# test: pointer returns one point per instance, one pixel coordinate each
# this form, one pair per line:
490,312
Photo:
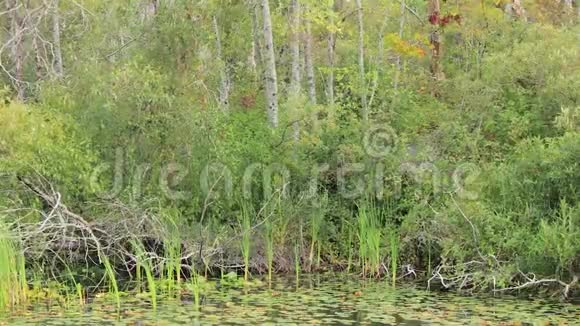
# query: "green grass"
113,285
297,268
347,233
173,265
370,236
316,220
269,241
394,247
171,271
195,287
13,284
147,267
139,276
77,286
245,220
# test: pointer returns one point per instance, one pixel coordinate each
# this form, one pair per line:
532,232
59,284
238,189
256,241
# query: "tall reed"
369,234
172,249
347,233
316,220
297,268
394,246
245,220
171,270
13,284
269,241
195,287
147,267
113,285
78,287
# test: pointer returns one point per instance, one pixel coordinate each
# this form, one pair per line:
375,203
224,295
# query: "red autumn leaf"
434,18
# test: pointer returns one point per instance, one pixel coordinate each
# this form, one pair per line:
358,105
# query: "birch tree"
224,80
270,76
361,61
309,62
295,87
58,65
256,42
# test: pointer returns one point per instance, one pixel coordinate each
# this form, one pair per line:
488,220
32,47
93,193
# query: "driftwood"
65,236
479,274
475,276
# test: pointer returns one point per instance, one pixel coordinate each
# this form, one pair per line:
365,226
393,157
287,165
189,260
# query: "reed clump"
13,284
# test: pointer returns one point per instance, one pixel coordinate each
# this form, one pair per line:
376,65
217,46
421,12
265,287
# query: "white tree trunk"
58,65
270,76
361,61
257,51
294,49
295,81
309,62
330,55
518,9
224,92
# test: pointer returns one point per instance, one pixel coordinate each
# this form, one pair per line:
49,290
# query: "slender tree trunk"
401,30
518,9
37,58
361,62
295,49
252,59
295,85
36,48
330,55
58,66
17,48
309,68
309,62
270,75
224,80
257,50
434,12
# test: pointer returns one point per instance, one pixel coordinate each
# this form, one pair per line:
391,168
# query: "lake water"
318,299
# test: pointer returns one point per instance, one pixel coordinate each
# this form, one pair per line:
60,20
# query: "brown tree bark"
17,47
434,13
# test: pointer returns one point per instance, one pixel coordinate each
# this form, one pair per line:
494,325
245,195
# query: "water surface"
318,299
